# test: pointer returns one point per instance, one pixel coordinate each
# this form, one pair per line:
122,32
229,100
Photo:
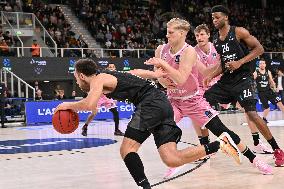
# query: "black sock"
255,137
136,169
115,118
212,147
273,143
203,140
248,153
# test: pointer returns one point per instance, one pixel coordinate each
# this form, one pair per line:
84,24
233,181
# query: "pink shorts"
106,102
196,108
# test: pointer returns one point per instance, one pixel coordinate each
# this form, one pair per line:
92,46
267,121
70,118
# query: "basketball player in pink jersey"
179,61
208,56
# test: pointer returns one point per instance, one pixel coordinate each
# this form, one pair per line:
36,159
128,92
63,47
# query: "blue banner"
259,105
42,111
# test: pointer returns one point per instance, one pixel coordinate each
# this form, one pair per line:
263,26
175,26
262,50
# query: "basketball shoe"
279,158
228,146
261,148
85,130
263,167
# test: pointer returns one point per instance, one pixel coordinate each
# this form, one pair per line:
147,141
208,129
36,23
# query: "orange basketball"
65,121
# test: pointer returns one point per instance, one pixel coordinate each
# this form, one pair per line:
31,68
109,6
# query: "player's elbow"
261,50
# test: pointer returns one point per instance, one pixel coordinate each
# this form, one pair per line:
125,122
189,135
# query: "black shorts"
224,93
154,115
265,96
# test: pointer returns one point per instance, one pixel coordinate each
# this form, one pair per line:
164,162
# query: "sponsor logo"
275,63
38,62
103,62
126,65
208,114
7,64
38,70
71,68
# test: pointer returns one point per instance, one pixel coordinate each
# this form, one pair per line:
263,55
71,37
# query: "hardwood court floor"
101,167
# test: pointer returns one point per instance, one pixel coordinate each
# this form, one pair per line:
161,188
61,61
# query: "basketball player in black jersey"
153,115
264,85
237,66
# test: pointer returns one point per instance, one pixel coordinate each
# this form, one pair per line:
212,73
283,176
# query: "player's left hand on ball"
62,106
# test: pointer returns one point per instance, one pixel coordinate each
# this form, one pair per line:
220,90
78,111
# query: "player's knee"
253,115
127,147
172,160
249,105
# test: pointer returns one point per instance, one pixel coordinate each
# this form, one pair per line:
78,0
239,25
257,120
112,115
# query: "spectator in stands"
61,95
38,95
73,95
9,108
36,85
57,90
35,50
4,48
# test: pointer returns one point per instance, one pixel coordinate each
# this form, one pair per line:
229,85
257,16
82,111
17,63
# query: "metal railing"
91,52
20,21
15,38
10,80
119,53
41,32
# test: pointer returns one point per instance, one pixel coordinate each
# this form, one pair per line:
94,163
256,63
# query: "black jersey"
131,88
262,81
232,50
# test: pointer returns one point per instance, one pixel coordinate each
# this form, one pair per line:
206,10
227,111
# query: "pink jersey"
191,86
208,60
106,102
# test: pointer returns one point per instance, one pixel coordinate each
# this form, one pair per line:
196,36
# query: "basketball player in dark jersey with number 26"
236,83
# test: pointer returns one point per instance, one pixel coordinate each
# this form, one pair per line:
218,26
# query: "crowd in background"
141,24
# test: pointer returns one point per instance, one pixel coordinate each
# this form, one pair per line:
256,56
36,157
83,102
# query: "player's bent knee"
171,160
128,145
169,154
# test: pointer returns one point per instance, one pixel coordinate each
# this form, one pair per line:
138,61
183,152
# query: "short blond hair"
180,24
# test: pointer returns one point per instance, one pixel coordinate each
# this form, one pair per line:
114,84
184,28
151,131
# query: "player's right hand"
167,83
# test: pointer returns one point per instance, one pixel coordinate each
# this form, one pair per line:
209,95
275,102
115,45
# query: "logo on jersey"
208,114
165,56
177,60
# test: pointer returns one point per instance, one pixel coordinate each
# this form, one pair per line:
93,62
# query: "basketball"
65,121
